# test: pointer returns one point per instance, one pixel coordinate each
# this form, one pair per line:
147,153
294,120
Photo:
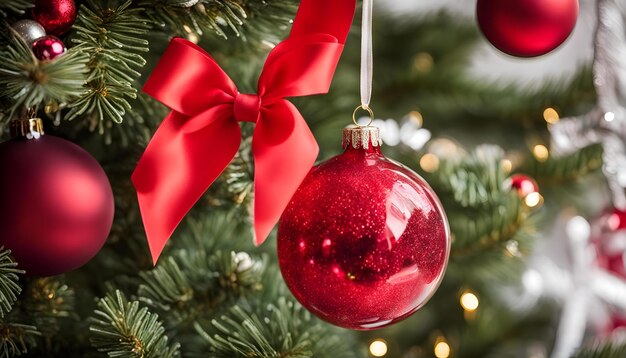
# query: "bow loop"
300,67
179,80
201,135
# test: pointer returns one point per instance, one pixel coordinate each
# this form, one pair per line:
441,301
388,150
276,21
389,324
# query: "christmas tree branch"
115,40
565,168
26,82
220,17
123,329
283,329
48,303
16,339
9,287
15,6
192,282
603,351
488,220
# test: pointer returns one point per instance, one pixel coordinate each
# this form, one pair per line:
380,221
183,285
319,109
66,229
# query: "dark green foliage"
16,339
10,7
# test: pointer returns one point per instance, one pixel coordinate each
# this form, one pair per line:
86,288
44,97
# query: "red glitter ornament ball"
364,241
56,203
48,48
527,28
56,16
524,185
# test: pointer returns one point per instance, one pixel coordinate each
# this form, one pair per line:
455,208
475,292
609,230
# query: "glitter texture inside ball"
364,242
527,28
29,30
56,16
48,48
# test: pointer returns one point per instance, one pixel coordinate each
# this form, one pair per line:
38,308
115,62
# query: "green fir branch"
48,302
220,17
280,330
114,37
26,82
124,329
556,170
193,282
16,339
603,351
492,229
15,6
9,286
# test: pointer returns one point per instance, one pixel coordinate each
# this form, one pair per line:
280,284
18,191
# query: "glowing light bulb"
533,199
551,115
378,348
609,116
442,349
429,162
469,301
541,152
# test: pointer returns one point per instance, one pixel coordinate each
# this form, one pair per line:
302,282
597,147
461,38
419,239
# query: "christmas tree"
528,171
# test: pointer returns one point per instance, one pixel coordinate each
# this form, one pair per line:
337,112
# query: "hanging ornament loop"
365,108
367,63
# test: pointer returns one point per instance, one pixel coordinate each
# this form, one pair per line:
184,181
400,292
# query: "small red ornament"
56,16
364,241
527,28
611,242
56,203
523,184
48,48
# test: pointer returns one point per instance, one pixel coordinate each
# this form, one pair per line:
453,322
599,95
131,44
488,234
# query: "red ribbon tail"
177,168
284,152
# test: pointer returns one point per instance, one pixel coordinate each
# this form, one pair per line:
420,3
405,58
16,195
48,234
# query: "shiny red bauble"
56,16
48,48
56,204
527,28
523,185
364,241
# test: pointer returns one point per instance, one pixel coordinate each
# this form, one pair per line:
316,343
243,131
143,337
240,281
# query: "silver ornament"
29,30
187,3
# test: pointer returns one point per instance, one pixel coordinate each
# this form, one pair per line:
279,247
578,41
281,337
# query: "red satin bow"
198,139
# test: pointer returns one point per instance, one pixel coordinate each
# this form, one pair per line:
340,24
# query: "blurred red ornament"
527,28
56,203
524,185
364,241
611,242
56,16
48,48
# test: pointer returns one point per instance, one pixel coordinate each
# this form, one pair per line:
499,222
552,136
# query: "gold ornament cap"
28,128
361,137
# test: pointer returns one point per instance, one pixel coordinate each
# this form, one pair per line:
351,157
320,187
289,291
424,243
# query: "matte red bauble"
56,203
524,185
48,48
527,28
364,242
56,16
